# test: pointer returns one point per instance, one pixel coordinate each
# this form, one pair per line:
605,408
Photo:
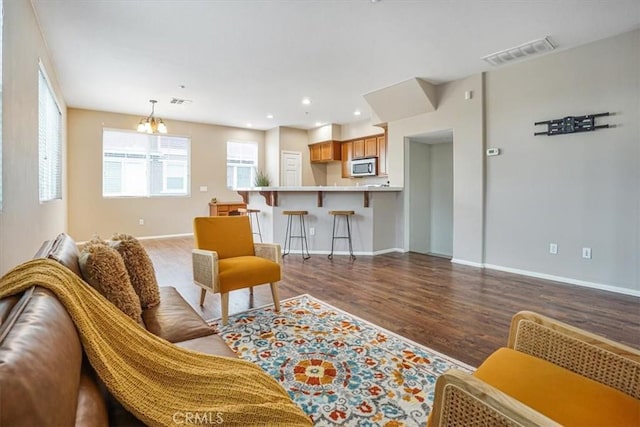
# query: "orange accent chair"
550,374
227,259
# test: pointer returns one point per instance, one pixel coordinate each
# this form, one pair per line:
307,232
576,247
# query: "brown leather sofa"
45,378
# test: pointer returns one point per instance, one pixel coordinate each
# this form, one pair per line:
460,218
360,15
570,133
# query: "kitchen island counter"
376,224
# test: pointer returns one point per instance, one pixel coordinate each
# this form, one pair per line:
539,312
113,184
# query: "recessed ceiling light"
357,113
249,125
306,101
269,116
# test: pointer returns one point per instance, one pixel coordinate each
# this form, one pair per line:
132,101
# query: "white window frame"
253,164
49,141
165,175
146,156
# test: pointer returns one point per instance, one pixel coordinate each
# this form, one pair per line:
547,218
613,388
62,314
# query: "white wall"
441,199
430,203
25,222
418,197
580,190
466,118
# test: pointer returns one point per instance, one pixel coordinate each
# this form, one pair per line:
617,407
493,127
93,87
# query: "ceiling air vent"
178,101
526,49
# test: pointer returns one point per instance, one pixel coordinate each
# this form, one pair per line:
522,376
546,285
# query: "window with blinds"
49,142
142,165
242,162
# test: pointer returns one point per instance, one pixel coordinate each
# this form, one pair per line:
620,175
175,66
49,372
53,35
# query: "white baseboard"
356,253
561,279
465,262
577,282
165,236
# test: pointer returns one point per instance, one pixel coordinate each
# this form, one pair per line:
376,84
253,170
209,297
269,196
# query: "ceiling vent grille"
526,49
179,101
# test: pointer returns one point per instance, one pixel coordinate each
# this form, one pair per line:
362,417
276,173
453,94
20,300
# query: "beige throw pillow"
103,268
140,269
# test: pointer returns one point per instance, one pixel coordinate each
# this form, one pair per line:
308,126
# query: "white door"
291,162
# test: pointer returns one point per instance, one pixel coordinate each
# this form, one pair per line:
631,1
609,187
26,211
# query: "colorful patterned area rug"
338,368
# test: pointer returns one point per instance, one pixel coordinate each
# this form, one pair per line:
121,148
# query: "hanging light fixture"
151,124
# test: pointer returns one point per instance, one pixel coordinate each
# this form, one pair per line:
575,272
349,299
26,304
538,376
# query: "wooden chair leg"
224,299
251,291
276,298
203,293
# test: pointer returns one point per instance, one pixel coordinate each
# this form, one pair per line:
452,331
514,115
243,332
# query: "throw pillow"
103,268
140,269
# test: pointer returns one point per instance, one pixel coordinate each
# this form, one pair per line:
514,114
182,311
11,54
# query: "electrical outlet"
586,253
553,248
312,231
141,221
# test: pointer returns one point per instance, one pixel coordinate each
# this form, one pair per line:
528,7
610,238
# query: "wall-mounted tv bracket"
571,124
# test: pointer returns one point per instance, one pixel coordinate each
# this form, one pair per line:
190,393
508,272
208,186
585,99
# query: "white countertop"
324,188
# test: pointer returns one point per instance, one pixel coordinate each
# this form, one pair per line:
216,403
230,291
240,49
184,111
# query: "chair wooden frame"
205,274
464,400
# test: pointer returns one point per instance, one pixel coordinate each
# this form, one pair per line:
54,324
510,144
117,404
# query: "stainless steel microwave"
364,167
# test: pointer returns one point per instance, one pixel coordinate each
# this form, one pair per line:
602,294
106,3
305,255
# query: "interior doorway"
291,162
430,174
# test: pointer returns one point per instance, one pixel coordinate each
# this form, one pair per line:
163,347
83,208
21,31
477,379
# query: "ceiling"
239,61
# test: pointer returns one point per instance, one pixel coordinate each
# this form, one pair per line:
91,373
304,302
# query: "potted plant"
262,179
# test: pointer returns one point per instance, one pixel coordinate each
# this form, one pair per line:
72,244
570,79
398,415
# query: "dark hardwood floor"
461,311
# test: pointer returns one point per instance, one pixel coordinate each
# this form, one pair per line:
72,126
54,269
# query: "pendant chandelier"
150,124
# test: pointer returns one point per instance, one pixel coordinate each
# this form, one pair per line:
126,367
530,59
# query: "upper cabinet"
347,155
365,148
326,151
370,146
383,159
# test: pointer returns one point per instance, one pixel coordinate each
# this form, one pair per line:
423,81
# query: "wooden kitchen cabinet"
365,148
383,160
316,153
358,149
326,151
347,155
225,208
370,147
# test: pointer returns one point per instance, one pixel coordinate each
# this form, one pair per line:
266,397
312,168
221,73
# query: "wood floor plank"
458,310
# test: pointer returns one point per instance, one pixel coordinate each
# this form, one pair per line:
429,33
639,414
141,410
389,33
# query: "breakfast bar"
375,225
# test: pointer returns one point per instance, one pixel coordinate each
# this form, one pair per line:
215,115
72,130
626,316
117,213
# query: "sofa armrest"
462,399
205,269
579,351
270,251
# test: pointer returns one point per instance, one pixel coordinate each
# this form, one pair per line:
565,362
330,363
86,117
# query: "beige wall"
90,213
24,222
580,190
292,139
272,155
359,129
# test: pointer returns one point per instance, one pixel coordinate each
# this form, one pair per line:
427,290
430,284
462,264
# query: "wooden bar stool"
347,215
302,236
256,215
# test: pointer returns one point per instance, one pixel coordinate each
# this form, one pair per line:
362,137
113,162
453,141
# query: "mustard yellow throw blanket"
153,379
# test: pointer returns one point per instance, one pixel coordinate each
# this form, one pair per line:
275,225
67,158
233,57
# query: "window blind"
49,142
142,165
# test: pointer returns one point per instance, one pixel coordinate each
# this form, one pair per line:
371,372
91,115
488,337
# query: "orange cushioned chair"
551,374
226,259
